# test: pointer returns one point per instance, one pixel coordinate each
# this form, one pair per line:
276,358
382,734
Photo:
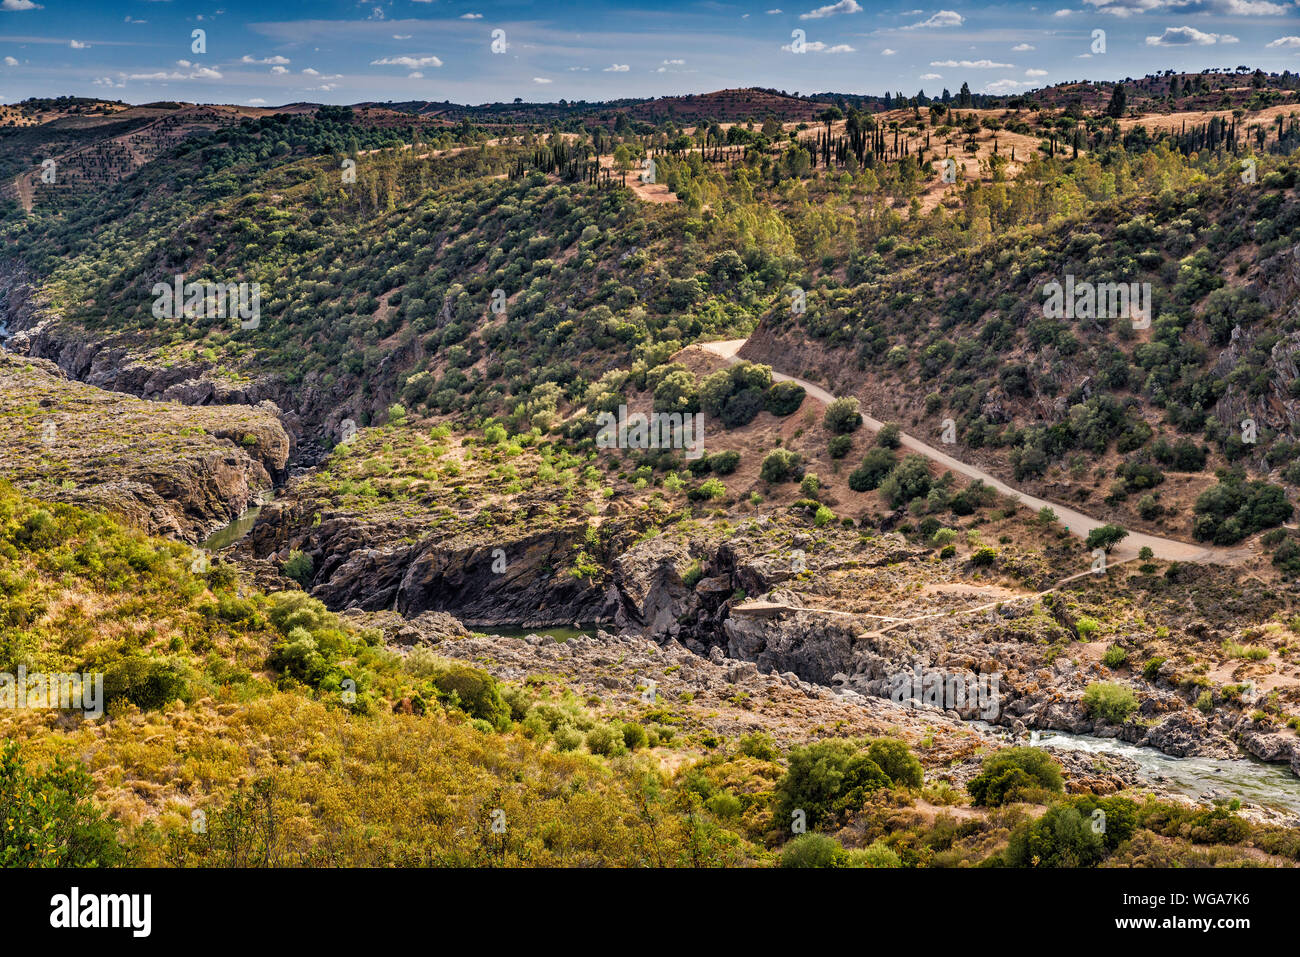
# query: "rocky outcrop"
648,592
166,468
807,644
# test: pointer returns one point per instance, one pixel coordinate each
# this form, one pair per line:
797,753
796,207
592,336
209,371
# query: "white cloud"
775,10
1252,8
998,87
416,75
11,61
844,6
410,62
278,70
1035,73
944,18
616,68
257,101
1063,13
540,79
1287,42
887,52
817,46
198,73
15,5
109,82
1022,48
1186,36
931,76
974,64
78,45
1239,8
308,71
401,36
267,62
471,16
674,62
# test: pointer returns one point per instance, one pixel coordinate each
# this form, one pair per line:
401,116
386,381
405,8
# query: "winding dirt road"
1076,522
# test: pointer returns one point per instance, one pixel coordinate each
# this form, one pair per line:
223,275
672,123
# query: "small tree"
781,465
1106,537
1118,101
842,416
1011,770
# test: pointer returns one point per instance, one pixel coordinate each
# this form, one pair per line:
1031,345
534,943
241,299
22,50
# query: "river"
1251,781
232,531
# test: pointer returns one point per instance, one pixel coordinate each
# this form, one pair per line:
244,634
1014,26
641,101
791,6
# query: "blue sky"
341,51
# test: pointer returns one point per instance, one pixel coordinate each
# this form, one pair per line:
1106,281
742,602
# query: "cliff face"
167,468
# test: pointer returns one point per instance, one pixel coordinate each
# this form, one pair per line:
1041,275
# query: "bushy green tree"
842,416
876,465
1109,701
911,479
781,465
47,818
1005,772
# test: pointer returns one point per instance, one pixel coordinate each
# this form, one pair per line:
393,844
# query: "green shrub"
607,740
784,398
1114,657
873,855
1111,702
888,436
894,758
1061,838
634,736
840,446
756,744
567,738
824,780
813,850
708,490
724,463
781,465
147,682
298,566
724,805
50,819
876,466
1234,508
911,479
1012,770
842,416
473,691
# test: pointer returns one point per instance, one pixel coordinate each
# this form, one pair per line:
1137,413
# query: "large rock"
648,592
